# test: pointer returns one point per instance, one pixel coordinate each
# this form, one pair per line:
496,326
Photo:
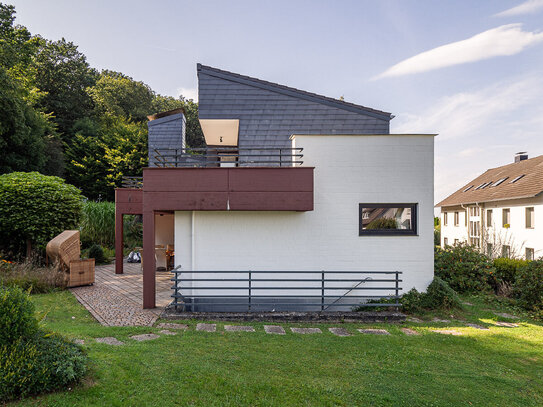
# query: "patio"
116,299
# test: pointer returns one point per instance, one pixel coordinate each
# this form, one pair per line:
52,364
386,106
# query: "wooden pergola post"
149,266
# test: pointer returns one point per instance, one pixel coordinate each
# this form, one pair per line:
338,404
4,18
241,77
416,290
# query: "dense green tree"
194,134
63,74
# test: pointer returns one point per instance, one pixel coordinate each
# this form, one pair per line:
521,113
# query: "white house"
501,211
298,202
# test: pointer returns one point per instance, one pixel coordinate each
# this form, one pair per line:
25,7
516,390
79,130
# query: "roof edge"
293,92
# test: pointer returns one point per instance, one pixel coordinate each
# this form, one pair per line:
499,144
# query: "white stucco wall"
348,170
517,235
452,232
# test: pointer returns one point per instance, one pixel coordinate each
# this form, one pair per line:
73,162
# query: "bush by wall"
34,208
463,267
32,361
528,287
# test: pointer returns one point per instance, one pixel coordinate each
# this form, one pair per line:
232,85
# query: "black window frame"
389,232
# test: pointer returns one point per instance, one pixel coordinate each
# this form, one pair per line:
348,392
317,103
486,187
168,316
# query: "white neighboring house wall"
349,170
517,235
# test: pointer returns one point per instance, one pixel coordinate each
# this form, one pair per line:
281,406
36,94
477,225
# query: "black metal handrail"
132,182
252,300
229,156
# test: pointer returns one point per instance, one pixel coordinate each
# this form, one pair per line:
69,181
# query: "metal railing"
229,157
132,182
328,290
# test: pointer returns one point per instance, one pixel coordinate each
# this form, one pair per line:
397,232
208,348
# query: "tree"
63,74
34,208
116,94
194,133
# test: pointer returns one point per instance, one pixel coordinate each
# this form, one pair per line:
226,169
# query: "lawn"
495,367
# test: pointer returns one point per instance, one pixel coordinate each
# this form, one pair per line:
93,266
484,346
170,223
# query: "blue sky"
471,71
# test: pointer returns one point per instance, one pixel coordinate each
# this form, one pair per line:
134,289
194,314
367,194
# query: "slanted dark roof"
530,185
274,87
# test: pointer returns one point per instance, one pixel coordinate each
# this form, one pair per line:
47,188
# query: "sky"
470,71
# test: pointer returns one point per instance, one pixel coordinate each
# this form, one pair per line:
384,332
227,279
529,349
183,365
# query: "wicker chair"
65,251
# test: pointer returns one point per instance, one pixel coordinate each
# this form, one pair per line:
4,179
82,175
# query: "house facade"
499,212
296,200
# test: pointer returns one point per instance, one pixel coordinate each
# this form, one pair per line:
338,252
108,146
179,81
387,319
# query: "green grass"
495,367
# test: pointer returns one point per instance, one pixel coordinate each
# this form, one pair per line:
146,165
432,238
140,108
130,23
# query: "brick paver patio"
116,299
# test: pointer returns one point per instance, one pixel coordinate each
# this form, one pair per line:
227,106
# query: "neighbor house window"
506,251
456,219
489,217
529,254
506,218
455,242
387,219
444,218
489,249
530,218
445,241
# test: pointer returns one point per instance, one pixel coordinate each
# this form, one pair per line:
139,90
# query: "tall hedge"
34,208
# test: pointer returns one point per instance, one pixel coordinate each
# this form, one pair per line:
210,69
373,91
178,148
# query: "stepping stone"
167,332
339,331
441,320
409,331
506,315
274,329
467,303
506,324
144,337
109,340
206,327
306,330
374,331
477,326
170,325
414,319
447,332
79,341
238,328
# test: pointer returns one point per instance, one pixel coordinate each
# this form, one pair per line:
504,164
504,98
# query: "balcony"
221,179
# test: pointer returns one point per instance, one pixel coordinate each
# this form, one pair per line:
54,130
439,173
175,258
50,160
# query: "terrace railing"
132,182
229,157
311,290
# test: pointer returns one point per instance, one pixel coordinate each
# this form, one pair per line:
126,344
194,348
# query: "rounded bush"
464,268
440,295
97,253
16,315
528,288
35,208
507,270
40,364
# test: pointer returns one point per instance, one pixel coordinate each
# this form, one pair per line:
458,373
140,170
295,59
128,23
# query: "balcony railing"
132,182
213,157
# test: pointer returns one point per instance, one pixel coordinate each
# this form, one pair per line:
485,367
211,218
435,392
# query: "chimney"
521,156
166,131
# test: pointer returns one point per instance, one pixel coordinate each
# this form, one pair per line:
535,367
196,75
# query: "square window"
506,251
530,218
445,218
529,254
387,219
489,249
445,241
456,219
489,218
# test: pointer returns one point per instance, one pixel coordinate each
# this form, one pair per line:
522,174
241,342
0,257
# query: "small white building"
501,211
298,202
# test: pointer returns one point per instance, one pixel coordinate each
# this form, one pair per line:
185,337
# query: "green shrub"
97,253
39,364
98,224
411,301
440,296
16,315
528,287
133,231
34,208
31,276
506,270
463,267
383,223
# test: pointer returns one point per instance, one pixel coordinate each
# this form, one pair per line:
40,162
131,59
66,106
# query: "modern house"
298,202
501,211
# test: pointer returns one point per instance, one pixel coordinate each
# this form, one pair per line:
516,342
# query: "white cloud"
505,40
480,129
188,93
528,7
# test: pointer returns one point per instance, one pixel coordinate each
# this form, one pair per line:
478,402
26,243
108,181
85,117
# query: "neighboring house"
285,186
501,211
